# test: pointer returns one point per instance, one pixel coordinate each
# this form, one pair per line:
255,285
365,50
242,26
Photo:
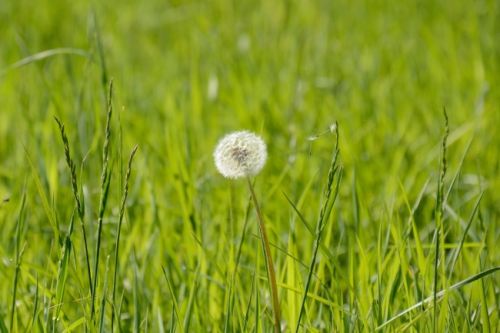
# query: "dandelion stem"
269,260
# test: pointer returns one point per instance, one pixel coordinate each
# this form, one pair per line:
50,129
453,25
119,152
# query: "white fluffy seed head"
240,154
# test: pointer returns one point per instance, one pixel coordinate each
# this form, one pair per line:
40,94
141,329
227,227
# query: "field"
380,194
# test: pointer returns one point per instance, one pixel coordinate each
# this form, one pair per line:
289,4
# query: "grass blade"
44,55
63,269
437,296
192,294
105,183
103,299
439,241
43,197
76,194
174,300
464,235
19,253
119,228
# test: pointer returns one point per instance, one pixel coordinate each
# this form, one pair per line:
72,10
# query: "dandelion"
240,154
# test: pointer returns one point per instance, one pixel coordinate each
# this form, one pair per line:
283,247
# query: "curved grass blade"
174,301
464,235
43,55
439,295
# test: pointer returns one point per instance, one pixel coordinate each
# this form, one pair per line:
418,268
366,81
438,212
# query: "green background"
185,73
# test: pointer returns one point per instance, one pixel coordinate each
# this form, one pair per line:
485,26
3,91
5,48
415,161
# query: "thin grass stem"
439,249
119,228
105,183
19,251
330,197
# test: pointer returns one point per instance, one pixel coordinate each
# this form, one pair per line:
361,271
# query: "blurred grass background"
187,72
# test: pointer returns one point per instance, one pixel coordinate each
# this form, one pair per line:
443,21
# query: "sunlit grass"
100,235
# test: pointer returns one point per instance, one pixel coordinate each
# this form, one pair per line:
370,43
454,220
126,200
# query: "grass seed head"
240,154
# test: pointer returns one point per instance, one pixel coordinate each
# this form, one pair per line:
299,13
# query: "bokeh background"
187,72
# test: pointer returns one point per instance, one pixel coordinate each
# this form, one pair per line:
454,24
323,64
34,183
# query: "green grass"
100,236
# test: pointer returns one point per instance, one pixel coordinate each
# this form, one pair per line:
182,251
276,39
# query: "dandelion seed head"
240,154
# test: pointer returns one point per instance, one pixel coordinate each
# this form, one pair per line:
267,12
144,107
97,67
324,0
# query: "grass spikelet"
438,213
72,168
79,203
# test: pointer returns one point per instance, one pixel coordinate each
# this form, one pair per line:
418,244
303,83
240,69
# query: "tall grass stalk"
19,253
330,197
439,231
62,271
118,232
79,203
103,298
105,182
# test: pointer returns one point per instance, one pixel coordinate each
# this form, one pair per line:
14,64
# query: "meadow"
380,193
